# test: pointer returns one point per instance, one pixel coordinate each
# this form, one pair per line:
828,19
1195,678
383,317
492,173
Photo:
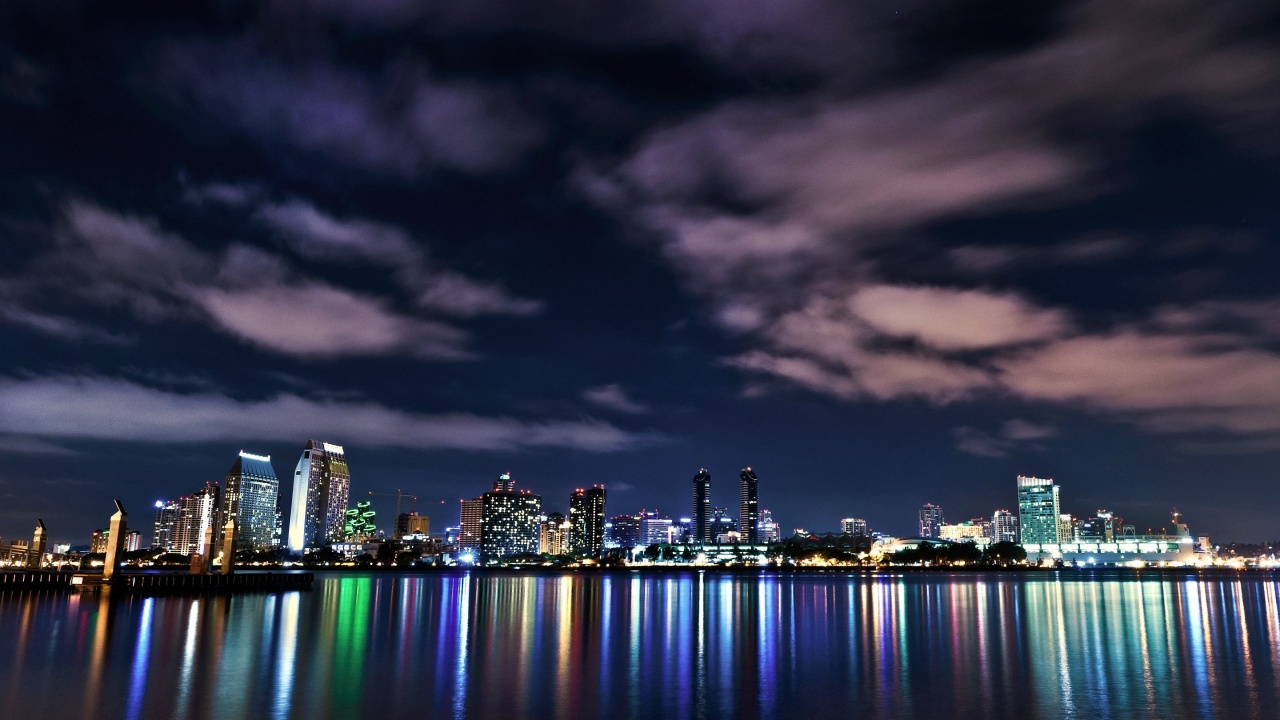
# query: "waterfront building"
856,527
1068,528
968,531
769,530
653,528
623,531
553,537
931,520
749,507
197,512
321,484
509,522
132,541
253,501
721,524
469,528
1038,510
1004,526
1104,527
586,519
164,530
98,541
702,530
411,523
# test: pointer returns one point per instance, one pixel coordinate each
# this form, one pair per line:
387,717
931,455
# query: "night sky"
884,253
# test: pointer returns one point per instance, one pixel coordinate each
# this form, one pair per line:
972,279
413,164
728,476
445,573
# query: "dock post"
229,546
35,558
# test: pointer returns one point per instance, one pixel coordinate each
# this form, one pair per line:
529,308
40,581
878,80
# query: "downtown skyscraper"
197,512
931,521
749,507
702,530
510,521
252,499
321,483
1038,510
586,521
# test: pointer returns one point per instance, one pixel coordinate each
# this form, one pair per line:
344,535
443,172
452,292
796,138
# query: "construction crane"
400,495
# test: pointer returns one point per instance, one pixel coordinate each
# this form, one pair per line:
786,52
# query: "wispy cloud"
614,397
115,409
1014,434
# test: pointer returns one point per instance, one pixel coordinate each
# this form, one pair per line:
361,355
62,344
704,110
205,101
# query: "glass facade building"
623,531
586,521
252,499
197,512
1038,510
321,484
1004,526
165,529
854,526
702,531
749,507
931,521
510,524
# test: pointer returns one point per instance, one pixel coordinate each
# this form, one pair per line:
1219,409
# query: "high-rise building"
472,516
769,530
164,531
722,525
622,531
252,500
504,483
321,483
510,521
931,520
1102,527
1068,528
553,538
132,541
854,526
196,512
1004,526
749,507
653,527
98,541
586,520
1038,510
411,523
701,507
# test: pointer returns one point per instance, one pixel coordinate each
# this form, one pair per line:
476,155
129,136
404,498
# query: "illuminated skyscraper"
701,507
854,526
769,530
653,527
931,520
586,521
469,533
510,521
164,531
1004,526
1037,510
504,483
623,531
321,482
722,525
252,499
749,507
553,538
196,512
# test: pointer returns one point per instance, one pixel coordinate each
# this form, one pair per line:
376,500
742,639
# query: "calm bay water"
688,644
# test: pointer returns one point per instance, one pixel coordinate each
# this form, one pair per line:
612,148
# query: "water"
679,645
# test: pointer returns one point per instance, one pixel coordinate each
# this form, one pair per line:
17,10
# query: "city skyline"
885,256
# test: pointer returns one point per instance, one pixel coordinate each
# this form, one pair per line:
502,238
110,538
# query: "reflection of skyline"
682,645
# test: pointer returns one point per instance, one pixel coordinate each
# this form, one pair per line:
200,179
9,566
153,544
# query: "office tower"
769,530
931,520
722,525
1004,526
586,519
749,507
854,526
623,531
321,482
653,527
472,515
411,523
1037,510
196,512
451,535
1102,527
701,507
252,500
1068,528
553,538
132,541
509,521
164,531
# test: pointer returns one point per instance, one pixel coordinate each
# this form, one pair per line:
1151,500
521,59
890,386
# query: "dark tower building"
749,509
586,521
701,508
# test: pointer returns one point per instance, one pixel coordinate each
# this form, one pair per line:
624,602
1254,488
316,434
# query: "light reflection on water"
680,645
